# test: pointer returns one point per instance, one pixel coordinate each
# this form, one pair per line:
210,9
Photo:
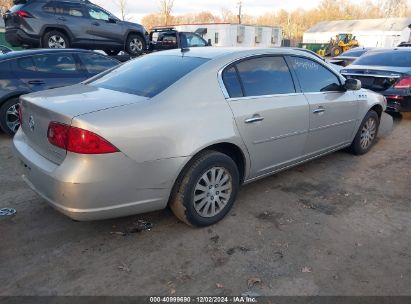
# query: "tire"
193,198
55,40
111,52
366,135
336,51
135,45
9,119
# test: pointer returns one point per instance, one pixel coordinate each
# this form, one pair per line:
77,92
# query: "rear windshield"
387,58
149,75
16,8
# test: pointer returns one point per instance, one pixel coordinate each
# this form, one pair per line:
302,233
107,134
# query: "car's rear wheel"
9,116
366,135
135,45
207,189
55,40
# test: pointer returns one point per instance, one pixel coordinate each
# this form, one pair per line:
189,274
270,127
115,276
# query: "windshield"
148,75
386,58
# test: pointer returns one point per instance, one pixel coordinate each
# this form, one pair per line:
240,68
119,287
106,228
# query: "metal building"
387,32
227,34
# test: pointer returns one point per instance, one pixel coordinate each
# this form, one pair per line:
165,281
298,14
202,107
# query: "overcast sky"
139,8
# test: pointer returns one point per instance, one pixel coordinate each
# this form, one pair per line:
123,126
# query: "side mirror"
352,84
111,20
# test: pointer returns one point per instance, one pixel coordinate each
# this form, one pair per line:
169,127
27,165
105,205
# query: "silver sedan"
186,129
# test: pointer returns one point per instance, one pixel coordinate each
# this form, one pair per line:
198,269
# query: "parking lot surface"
339,225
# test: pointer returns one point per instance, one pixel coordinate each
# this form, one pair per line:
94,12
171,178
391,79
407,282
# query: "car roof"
217,52
24,53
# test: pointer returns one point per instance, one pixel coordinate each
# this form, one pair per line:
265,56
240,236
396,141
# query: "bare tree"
5,5
166,7
394,8
122,4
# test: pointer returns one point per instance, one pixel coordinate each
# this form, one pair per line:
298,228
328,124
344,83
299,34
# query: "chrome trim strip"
372,75
333,125
279,137
262,96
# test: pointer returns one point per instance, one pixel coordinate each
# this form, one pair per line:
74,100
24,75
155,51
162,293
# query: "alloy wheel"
368,133
212,192
12,118
56,42
136,45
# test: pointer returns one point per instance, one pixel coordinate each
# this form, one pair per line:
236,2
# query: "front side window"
148,75
95,63
265,76
98,14
314,77
55,63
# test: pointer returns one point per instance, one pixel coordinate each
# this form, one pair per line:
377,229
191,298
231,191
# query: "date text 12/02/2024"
203,300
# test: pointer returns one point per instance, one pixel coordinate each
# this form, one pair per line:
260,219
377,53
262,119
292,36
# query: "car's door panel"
48,71
271,117
104,29
333,110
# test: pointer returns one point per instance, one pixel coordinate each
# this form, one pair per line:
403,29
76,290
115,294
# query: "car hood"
80,99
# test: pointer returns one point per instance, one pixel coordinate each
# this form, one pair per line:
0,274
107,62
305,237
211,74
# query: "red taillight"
23,14
77,140
404,83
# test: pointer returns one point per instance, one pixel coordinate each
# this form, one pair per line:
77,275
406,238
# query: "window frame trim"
234,63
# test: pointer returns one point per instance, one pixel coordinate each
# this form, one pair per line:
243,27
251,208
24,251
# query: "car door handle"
255,118
36,82
319,110
96,24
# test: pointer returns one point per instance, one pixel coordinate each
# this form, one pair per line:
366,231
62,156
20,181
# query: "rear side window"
149,75
95,63
55,63
64,8
265,76
232,83
387,58
313,77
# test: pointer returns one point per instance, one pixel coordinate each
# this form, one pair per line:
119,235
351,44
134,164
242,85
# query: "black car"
72,23
23,72
388,72
164,38
349,56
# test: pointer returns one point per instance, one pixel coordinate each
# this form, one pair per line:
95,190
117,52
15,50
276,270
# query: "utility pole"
240,6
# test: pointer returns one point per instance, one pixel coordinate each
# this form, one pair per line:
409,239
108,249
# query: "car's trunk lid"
375,78
62,105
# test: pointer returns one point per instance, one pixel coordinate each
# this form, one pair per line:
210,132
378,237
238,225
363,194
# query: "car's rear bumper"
399,103
17,37
86,187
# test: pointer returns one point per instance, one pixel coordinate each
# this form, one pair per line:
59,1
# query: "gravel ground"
339,225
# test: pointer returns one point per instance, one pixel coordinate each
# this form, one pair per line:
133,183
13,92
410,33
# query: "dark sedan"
388,72
349,56
29,71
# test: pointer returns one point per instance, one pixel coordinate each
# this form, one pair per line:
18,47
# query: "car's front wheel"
206,191
366,135
135,45
9,116
55,40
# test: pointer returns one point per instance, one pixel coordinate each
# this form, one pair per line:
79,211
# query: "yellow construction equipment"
342,42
